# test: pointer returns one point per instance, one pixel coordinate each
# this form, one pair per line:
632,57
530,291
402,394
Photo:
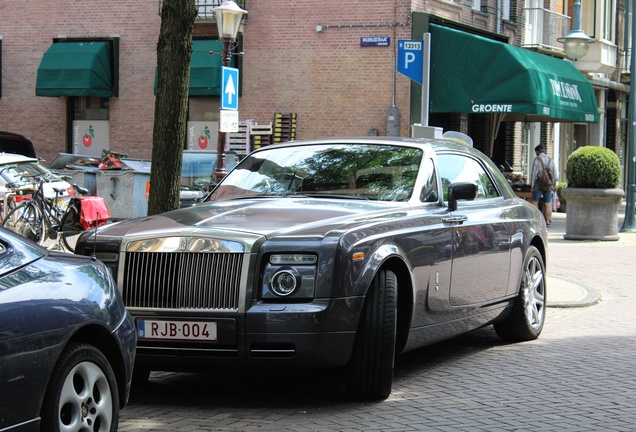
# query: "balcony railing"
204,7
543,27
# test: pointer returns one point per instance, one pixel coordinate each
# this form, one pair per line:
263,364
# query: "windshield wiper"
325,195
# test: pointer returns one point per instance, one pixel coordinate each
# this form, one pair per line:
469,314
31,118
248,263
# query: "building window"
597,18
90,108
203,108
608,20
477,5
588,15
505,9
205,8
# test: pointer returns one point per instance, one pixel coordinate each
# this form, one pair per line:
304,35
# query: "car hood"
261,216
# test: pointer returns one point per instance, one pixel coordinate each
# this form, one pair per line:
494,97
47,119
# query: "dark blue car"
67,343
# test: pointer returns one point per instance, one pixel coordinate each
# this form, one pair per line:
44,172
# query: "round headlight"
284,283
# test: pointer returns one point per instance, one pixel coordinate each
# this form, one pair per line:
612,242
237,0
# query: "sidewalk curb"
564,294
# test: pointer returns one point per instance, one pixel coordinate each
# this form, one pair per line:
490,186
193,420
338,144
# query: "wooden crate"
239,142
260,135
284,127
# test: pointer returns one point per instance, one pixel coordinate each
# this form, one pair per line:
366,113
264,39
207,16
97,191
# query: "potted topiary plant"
593,196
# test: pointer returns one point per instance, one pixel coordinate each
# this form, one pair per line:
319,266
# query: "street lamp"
228,21
576,43
629,223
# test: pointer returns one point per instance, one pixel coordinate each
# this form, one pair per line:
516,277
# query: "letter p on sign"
411,59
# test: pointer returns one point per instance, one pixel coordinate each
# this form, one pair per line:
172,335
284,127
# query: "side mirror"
460,191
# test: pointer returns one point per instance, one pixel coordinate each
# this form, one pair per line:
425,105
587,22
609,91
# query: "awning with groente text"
474,74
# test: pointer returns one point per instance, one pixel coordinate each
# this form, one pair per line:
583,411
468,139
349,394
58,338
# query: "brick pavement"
578,376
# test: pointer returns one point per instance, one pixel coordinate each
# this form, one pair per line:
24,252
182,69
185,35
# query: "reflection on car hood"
261,216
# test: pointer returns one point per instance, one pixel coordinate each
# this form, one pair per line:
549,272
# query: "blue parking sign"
229,88
411,58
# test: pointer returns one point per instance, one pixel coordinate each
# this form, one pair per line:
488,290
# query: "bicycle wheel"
26,220
70,227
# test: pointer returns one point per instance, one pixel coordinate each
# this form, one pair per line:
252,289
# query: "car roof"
437,144
11,135
7,158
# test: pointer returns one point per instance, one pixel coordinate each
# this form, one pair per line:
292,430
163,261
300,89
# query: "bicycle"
41,219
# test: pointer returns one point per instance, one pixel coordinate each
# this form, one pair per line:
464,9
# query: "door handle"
455,220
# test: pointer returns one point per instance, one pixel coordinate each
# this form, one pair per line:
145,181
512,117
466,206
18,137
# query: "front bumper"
300,335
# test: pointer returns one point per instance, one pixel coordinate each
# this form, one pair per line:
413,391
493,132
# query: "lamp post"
576,43
228,21
630,160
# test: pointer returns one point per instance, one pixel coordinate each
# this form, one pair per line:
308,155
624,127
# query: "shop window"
203,123
90,108
203,108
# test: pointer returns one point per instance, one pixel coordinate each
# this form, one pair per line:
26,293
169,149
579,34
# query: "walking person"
543,181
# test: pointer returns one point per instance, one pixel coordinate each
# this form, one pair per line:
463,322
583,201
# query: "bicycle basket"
93,211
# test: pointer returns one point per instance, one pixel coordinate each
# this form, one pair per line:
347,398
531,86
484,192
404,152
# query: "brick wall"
28,29
334,85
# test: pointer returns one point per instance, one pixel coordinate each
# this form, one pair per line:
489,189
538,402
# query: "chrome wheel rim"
534,293
86,402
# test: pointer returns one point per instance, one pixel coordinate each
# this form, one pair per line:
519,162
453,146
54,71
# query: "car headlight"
289,276
284,282
293,259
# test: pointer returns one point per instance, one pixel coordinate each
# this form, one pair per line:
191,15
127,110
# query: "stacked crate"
284,127
239,142
260,135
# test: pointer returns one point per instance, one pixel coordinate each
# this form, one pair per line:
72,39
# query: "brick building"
331,64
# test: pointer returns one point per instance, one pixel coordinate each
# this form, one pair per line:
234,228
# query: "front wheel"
526,319
82,393
26,220
371,365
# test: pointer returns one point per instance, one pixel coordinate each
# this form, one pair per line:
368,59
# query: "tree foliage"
174,50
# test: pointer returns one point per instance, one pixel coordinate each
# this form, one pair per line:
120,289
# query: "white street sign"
229,121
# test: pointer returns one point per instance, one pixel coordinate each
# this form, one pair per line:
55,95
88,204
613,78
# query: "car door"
479,233
20,349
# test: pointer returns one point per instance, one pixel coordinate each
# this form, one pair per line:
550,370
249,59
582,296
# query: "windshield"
366,171
197,168
21,173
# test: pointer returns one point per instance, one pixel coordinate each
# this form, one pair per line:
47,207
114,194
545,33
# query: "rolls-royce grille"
178,280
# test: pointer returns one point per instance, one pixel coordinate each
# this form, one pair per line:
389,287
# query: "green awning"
205,68
76,69
474,74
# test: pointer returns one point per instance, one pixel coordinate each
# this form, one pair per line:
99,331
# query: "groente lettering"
492,108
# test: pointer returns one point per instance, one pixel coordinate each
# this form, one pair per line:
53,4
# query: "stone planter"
592,213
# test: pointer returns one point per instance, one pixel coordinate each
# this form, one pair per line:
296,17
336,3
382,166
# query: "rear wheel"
528,312
371,364
26,220
70,228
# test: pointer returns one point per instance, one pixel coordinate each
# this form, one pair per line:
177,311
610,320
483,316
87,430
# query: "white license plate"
176,330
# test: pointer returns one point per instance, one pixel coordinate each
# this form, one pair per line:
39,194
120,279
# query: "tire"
70,228
370,369
527,317
26,220
82,393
